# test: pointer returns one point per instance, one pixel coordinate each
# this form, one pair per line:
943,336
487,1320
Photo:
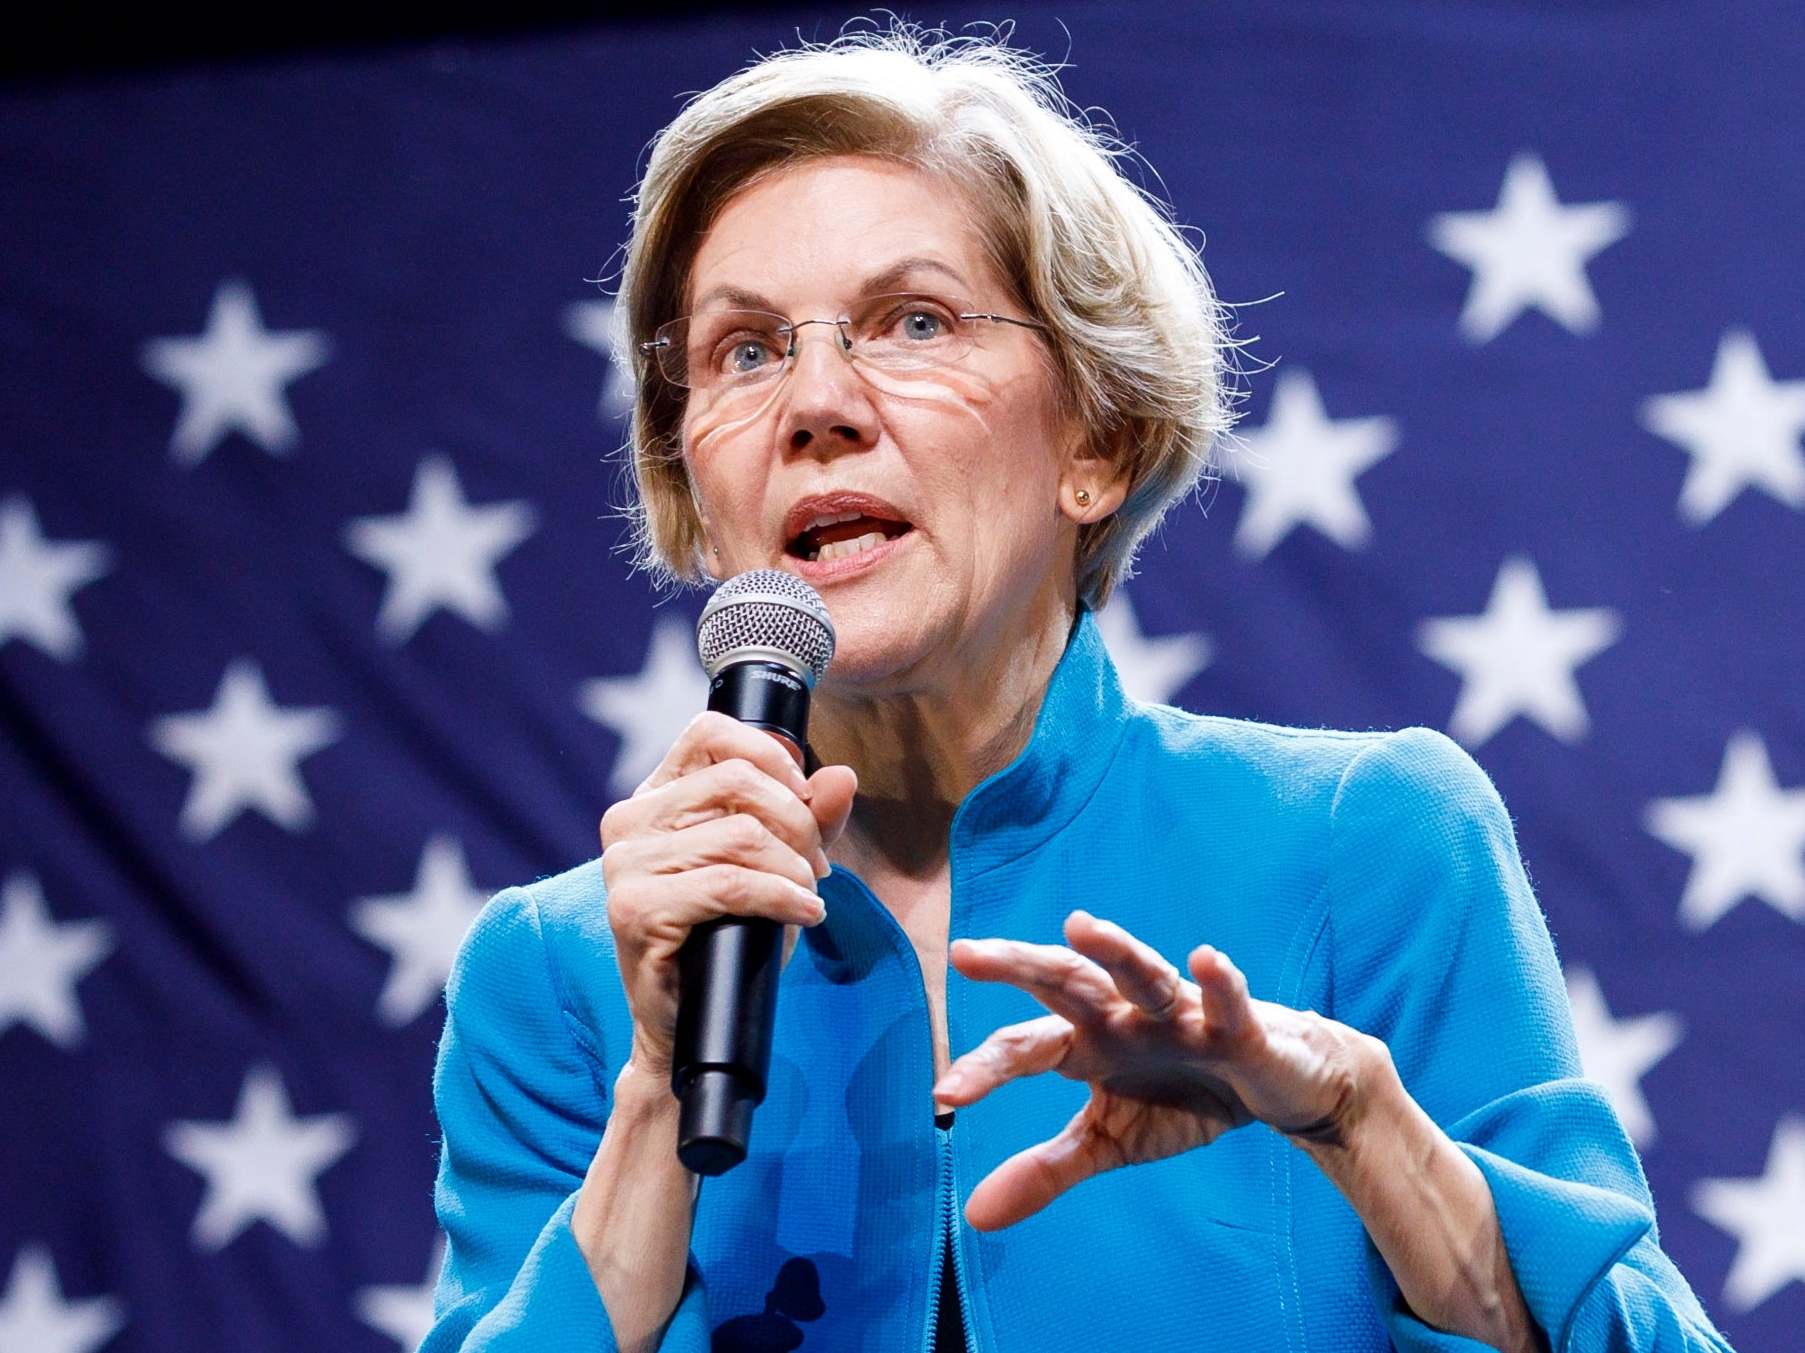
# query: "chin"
880,641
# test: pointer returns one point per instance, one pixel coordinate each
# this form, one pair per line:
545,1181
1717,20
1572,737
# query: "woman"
909,335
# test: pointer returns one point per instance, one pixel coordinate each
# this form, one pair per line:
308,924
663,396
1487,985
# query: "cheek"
708,431
720,446
942,396
995,430
1012,460
996,474
994,433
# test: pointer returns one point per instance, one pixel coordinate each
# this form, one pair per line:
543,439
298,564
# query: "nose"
828,407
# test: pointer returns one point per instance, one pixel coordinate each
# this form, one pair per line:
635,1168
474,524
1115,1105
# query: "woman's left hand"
1172,1064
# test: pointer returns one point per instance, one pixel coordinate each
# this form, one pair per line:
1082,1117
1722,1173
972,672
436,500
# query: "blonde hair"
1140,346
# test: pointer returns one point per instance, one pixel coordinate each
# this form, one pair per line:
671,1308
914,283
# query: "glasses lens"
731,348
722,347
910,330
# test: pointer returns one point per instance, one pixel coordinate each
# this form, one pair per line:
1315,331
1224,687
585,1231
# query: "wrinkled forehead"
817,236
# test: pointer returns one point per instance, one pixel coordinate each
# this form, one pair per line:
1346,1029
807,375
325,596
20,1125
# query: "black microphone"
765,639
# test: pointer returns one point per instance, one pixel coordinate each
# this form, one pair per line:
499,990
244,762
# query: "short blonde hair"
1140,347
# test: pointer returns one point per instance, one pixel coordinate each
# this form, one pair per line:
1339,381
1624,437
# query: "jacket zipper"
946,1241
946,1236
966,1326
944,1219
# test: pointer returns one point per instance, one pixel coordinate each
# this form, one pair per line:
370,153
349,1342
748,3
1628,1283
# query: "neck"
918,752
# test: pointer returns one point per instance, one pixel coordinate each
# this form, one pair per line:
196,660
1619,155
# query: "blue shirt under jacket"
1373,877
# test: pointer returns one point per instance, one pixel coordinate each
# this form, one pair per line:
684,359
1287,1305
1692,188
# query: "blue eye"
922,324
749,355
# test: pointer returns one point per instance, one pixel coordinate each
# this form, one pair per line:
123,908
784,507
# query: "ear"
1095,480
710,556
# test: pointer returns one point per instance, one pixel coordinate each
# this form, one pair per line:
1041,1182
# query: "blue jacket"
1373,877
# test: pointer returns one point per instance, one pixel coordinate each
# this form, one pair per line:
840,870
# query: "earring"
1084,497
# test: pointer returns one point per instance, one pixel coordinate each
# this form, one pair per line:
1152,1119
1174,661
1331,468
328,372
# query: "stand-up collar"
1081,722
1076,733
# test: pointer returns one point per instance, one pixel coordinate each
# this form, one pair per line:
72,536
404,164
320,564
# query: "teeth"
833,519
857,545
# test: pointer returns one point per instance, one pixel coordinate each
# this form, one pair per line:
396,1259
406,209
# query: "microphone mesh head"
766,609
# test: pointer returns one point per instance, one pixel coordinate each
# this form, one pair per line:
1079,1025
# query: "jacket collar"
1077,731
1076,734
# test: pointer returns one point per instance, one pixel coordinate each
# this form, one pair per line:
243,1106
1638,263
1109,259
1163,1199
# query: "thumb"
830,799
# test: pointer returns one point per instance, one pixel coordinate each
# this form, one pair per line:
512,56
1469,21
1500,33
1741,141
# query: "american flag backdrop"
315,627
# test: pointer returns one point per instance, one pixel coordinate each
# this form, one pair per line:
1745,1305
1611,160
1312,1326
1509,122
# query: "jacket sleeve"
1439,949
520,1115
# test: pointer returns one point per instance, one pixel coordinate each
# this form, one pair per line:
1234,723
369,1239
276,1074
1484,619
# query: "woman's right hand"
727,825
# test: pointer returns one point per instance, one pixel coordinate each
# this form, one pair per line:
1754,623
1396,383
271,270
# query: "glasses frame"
650,349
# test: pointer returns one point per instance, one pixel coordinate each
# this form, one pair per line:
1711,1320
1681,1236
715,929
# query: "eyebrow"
873,284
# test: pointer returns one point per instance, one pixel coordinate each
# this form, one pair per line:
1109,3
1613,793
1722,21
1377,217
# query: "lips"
828,526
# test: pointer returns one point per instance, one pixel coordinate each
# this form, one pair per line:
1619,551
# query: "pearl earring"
1084,497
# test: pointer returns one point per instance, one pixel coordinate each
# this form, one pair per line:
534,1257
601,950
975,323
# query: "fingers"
725,826
1030,1179
738,838
832,790
734,865
1067,983
1227,1011
676,903
733,786
1139,971
1017,1050
713,737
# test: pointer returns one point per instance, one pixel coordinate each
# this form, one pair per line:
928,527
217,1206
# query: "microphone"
764,639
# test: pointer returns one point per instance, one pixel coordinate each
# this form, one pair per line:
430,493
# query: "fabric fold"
1579,1227
522,1112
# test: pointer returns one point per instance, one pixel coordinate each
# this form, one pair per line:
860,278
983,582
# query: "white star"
1742,431
1746,837
648,711
440,552
602,327
1518,657
1763,1214
245,753
1619,1052
37,579
1528,250
1302,467
34,1318
232,376
421,930
1153,669
41,961
403,1313
261,1165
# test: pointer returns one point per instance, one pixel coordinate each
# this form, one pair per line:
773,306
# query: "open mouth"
839,535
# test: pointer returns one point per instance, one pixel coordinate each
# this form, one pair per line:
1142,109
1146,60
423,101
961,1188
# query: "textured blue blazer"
1373,877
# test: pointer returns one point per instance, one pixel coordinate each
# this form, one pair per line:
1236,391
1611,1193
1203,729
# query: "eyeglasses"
716,350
